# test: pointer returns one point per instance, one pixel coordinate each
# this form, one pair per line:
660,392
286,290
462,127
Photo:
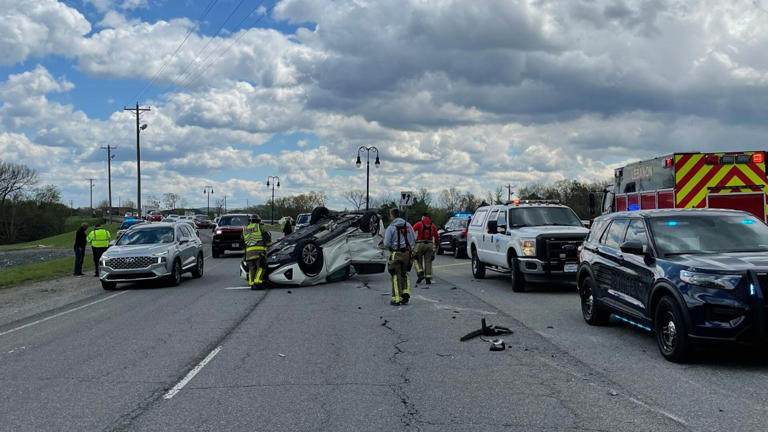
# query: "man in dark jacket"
80,243
288,228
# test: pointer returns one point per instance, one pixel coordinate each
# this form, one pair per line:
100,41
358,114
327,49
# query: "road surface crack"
410,417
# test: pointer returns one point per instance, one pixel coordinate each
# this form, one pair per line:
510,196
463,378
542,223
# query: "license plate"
238,245
570,268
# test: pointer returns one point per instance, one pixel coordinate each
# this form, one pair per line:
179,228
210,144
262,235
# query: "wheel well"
511,253
582,275
660,292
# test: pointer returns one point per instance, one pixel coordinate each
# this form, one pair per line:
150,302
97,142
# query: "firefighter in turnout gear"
257,240
399,239
99,240
427,240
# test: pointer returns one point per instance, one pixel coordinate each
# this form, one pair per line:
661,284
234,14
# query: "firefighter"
399,239
99,240
424,252
257,240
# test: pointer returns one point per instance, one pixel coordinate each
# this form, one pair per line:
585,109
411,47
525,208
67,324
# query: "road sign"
406,199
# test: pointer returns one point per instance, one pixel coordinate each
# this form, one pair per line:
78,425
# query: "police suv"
536,241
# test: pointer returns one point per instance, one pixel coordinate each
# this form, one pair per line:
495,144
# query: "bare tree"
14,178
356,197
423,195
170,200
450,199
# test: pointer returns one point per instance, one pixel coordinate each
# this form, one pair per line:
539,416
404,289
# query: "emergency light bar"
462,215
517,202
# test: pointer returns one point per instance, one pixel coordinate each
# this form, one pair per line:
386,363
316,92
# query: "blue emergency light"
673,223
634,207
462,215
130,220
748,221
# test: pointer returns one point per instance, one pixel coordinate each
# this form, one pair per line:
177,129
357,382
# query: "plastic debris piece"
498,345
486,330
613,393
281,355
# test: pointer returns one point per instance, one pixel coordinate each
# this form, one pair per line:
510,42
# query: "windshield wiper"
689,252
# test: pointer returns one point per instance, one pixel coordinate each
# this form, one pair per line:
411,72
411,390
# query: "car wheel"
309,256
215,253
516,276
478,267
109,286
456,250
671,332
175,278
591,309
197,272
370,223
318,214
439,250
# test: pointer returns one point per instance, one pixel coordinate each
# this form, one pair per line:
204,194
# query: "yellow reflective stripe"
407,284
416,264
394,286
258,275
681,171
686,189
702,194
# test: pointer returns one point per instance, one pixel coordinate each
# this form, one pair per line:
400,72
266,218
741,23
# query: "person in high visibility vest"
424,252
99,240
257,240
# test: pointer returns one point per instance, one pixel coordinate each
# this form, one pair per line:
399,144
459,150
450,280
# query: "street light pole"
275,181
208,190
367,169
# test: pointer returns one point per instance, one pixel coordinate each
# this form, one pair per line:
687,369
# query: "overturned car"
332,247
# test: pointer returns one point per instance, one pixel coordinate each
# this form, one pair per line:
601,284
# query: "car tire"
516,276
309,256
671,332
439,251
478,267
215,253
318,214
456,250
370,223
109,286
197,271
174,279
593,312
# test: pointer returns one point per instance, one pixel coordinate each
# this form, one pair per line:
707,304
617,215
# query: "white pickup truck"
535,241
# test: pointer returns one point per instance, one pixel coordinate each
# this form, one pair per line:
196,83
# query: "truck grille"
558,248
124,263
229,236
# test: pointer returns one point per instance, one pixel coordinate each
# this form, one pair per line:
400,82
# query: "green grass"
65,240
72,223
42,271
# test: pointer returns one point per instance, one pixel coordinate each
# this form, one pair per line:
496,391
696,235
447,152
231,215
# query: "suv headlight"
218,232
161,257
528,246
709,280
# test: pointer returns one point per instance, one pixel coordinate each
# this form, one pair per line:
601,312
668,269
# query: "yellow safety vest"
254,241
99,238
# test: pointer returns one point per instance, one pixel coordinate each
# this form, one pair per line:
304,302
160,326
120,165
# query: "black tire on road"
516,276
370,223
215,253
456,251
671,331
478,267
439,251
175,277
109,286
593,312
309,256
318,214
197,272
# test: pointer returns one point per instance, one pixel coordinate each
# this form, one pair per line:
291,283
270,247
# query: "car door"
186,245
636,270
446,235
608,258
500,240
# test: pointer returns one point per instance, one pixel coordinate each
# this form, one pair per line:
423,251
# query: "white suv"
536,241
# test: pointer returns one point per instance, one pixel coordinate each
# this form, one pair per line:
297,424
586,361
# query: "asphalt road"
210,356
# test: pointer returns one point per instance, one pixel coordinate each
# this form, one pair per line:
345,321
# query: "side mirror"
587,223
633,247
501,230
183,241
493,227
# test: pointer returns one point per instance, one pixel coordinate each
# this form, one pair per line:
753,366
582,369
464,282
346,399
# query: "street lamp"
275,182
367,168
208,190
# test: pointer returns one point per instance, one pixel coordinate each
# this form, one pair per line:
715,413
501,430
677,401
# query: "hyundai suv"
152,251
691,276
228,235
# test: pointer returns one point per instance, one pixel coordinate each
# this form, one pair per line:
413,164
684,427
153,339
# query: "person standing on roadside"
80,243
399,239
427,240
288,227
99,239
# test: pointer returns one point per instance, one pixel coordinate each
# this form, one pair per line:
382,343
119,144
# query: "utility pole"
225,204
275,182
90,182
109,149
509,192
139,127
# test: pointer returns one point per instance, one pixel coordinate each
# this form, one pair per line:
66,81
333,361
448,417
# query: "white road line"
184,381
659,411
238,288
60,314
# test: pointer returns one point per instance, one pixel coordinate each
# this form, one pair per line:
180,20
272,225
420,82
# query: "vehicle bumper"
536,270
224,245
155,271
718,316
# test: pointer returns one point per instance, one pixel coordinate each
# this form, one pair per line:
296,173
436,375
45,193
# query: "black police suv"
691,276
453,238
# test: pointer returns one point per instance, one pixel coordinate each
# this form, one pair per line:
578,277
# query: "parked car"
302,220
692,276
155,216
332,247
152,251
535,241
453,237
127,224
202,221
228,234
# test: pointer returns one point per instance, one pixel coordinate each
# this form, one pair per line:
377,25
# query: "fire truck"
729,180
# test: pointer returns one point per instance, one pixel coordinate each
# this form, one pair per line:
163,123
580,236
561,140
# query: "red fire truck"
730,180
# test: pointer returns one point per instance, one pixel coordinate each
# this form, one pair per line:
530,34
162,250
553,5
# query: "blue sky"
472,96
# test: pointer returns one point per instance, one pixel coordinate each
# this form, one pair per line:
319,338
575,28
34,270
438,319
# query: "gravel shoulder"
21,257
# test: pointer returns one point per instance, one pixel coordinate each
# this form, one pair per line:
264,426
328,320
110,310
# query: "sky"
453,93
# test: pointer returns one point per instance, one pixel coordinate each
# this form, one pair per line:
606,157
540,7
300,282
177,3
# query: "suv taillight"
464,233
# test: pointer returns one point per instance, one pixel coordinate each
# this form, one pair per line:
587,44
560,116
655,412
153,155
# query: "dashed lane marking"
238,288
451,265
188,377
21,327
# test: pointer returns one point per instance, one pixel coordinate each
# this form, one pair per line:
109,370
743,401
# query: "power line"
200,73
206,11
209,40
